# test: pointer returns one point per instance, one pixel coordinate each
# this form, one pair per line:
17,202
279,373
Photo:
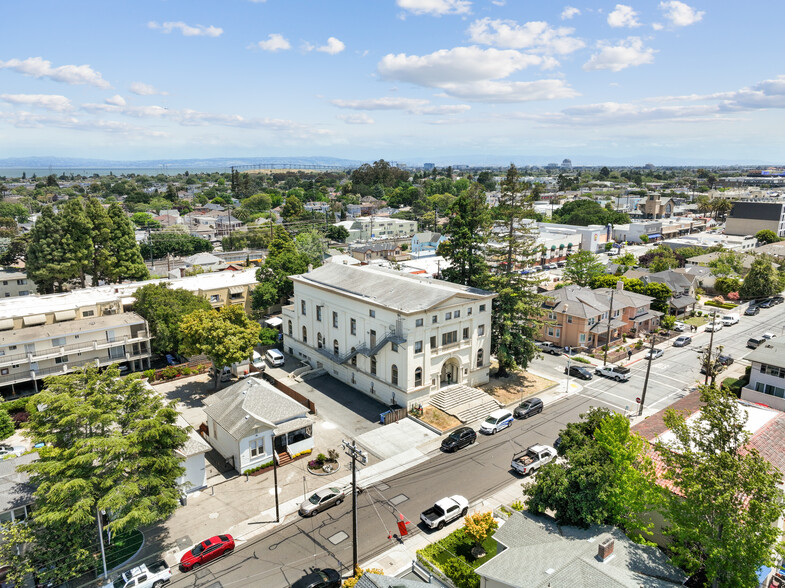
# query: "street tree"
311,244
626,262
766,236
582,267
108,443
164,308
762,279
727,498
467,227
517,308
226,337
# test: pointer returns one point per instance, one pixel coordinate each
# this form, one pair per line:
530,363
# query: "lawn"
696,320
456,544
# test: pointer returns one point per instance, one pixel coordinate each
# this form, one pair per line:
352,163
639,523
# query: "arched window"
335,346
394,375
479,358
373,365
305,334
290,328
354,358
319,340
418,377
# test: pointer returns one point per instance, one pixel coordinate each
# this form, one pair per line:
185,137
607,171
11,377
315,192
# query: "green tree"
727,499
123,250
6,424
145,220
164,308
109,444
766,236
274,284
582,267
727,263
14,249
626,262
762,280
586,212
517,308
226,337
77,241
293,208
337,233
101,239
46,262
467,227
311,244
173,241
727,285
661,294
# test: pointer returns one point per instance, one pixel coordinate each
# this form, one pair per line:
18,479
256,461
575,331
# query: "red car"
205,551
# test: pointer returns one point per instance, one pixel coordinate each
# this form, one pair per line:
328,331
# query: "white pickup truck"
445,511
615,372
533,458
154,575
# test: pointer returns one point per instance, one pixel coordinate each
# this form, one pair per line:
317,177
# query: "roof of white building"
98,323
399,291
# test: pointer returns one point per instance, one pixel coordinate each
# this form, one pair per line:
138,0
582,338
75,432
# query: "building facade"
747,218
395,336
369,227
767,375
14,282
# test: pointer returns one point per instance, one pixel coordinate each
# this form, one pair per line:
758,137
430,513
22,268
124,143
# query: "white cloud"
29,120
411,105
764,95
126,110
52,102
275,42
333,46
498,2
628,53
569,12
623,16
657,26
621,113
186,29
68,74
143,89
435,7
680,14
509,92
356,119
116,100
537,36
454,66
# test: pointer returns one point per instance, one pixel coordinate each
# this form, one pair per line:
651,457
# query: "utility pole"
608,332
356,454
648,370
101,539
708,363
275,483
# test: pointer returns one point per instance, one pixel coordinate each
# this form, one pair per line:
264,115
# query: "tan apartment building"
14,282
579,317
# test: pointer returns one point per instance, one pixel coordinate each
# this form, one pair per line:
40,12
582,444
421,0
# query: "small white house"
192,452
250,421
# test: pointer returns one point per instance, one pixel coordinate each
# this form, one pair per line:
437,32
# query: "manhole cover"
338,537
212,515
396,500
382,486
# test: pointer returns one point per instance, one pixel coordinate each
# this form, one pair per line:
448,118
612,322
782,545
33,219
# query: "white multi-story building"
395,336
364,228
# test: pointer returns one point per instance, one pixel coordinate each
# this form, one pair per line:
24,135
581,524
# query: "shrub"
321,458
149,374
479,526
169,373
350,582
13,406
638,344
20,418
581,359
186,371
461,573
518,505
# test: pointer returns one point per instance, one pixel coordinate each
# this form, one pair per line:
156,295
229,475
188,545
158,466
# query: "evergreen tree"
762,279
46,263
123,248
467,230
101,236
77,243
517,308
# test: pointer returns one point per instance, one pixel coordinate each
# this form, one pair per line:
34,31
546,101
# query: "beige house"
654,207
14,282
580,318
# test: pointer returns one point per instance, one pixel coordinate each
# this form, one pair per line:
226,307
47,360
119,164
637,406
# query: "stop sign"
638,400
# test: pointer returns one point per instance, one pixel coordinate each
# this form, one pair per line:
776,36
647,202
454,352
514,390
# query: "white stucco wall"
195,477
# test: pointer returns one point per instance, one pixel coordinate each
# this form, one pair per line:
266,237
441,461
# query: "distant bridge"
314,166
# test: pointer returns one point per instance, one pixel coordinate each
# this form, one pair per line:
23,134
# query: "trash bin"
183,499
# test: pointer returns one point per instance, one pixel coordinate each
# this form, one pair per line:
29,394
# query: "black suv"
577,371
459,438
326,578
528,408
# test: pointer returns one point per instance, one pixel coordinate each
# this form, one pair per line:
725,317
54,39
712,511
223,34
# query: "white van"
258,361
275,357
730,319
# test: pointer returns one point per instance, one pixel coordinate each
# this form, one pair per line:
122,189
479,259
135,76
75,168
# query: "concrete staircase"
465,403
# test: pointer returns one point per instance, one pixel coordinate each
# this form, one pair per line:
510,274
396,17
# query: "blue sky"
408,80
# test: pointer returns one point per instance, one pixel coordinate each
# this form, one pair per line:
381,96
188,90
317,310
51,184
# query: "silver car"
322,500
11,450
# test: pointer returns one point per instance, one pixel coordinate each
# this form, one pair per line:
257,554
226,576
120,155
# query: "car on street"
548,347
11,450
496,421
551,266
730,319
679,326
445,511
755,342
577,371
322,500
151,575
614,372
561,264
326,578
206,551
768,336
654,353
682,341
459,438
531,459
778,299
752,310
527,408
715,326
768,303
723,360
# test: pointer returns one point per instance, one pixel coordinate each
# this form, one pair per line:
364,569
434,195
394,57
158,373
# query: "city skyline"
661,82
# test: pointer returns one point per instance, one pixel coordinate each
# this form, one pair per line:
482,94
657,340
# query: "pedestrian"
629,354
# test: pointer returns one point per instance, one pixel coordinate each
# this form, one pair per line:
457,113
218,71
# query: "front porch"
292,438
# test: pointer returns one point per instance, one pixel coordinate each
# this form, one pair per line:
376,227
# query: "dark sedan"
327,578
577,371
752,310
766,303
459,438
528,408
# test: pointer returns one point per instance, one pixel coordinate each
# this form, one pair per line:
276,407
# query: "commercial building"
747,218
707,240
591,238
14,282
395,336
373,227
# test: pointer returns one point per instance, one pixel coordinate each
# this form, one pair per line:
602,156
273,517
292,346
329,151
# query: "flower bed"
173,372
452,556
324,464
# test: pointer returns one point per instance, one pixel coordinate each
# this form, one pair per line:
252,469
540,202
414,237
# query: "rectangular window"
302,307
58,341
21,282
372,313
456,314
335,319
447,316
433,343
434,319
319,313
469,311
569,319
86,313
418,346
353,326
61,360
481,330
465,333
482,308
24,292
373,338
558,332
394,347
550,331
604,315
582,338
215,297
257,447
449,338
418,323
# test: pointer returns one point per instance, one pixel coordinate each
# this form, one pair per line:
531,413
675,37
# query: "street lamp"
648,370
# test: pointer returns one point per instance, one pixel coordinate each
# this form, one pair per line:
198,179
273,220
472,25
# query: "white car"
679,326
496,421
768,336
715,326
654,353
11,450
730,319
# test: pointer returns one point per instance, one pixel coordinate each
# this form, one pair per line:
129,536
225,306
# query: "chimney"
620,285
605,549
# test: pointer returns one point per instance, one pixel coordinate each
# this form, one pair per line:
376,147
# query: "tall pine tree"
101,236
46,262
123,248
77,241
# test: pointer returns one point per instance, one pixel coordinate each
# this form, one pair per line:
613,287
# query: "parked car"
11,450
561,264
682,341
548,347
722,360
768,336
755,342
459,438
225,374
730,319
528,408
496,421
322,500
715,326
778,299
654,353
751,310
207,550
170,360
679,326
258,361
326,578
531,459
768,303
275,357
577,371
445,511
153,575
551,266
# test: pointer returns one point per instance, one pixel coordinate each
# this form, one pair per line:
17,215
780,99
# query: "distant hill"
209,163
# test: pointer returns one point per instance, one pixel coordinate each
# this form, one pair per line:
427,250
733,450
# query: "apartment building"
767,375
747,218
14,282
579,317
372,227
395,336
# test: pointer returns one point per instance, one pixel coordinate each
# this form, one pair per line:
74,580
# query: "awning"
34,319
682,302
273,322
602,326
65,315
6,324
293,425
643,317
655,236
236,289
569,245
